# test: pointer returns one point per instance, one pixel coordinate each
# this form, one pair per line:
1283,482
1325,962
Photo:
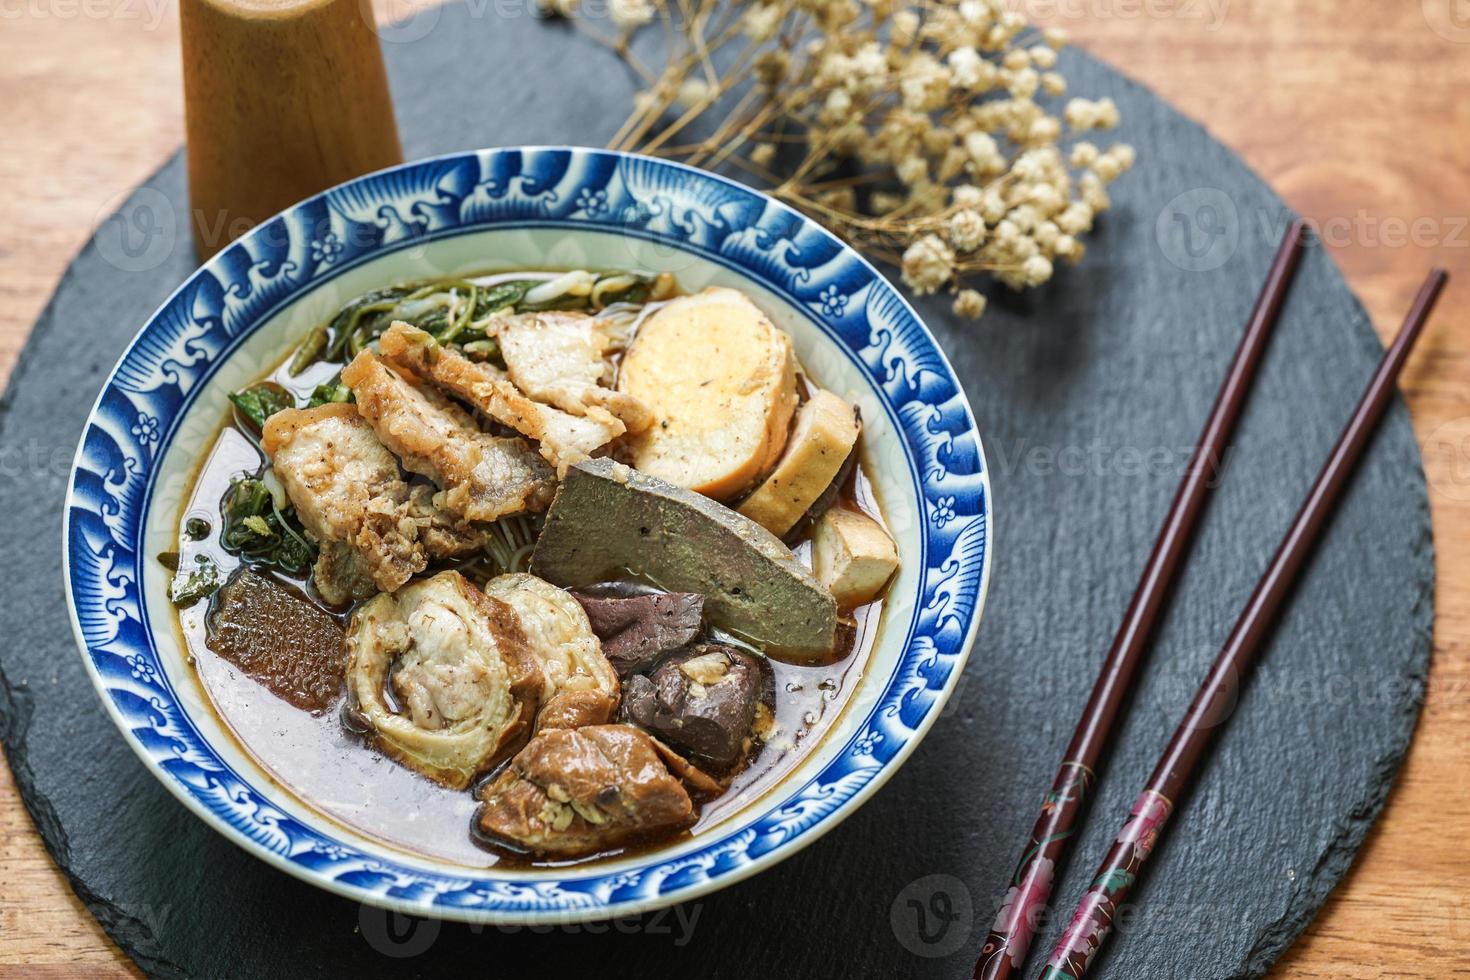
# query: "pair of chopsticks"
1025,903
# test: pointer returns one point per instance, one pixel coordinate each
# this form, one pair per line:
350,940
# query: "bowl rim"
703,189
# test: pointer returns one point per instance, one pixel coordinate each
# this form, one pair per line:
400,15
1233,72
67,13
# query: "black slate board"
1086,392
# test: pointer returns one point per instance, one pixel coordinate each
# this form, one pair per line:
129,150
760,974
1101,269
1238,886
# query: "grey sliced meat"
636,630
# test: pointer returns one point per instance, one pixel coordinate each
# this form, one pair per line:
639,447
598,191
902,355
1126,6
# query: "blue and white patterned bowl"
552,207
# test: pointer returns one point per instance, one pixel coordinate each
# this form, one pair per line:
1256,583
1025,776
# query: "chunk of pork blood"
279,638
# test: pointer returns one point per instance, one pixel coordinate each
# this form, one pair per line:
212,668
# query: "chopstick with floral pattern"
1005,948
1093,919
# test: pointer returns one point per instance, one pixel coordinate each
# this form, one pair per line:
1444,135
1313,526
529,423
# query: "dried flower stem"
913,130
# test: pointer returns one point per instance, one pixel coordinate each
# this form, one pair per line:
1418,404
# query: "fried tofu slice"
562,359
720,379
852,556
483,477
825,433
350,497
563,439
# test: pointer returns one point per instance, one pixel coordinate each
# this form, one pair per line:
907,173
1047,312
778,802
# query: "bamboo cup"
282,99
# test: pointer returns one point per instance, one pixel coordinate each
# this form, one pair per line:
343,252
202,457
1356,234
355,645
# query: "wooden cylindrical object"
283,98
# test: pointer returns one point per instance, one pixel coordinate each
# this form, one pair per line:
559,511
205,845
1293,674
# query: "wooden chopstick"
1010,937
1092,921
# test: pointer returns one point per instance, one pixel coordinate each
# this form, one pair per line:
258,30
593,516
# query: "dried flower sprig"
919,132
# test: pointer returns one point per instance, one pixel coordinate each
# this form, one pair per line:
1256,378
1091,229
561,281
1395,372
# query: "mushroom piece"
576,791
464,683
580,686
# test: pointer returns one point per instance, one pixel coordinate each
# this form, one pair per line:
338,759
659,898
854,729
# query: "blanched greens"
189,585
458,311
330,392
260,401
261,529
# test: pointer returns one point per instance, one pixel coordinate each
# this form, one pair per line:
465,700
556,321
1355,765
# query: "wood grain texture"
1353,110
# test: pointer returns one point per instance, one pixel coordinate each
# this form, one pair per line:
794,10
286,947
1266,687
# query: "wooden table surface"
1355,110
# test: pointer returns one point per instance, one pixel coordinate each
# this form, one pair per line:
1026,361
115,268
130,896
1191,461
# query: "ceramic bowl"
546,207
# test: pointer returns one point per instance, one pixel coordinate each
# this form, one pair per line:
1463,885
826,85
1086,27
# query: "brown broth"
321,761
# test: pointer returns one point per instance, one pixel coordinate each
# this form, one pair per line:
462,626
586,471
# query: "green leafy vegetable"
457,311
197,528
329,393
310,351
506,295
260,401
257,528
191,584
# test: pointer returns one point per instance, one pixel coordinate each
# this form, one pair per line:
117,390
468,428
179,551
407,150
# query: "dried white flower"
761,22
967,68
629,15
1037,270
693,92
966,230
1076,219
1056,37
969,303
906,25
928,264
1082,114
913,171
967,196
931,129
924,85
869,70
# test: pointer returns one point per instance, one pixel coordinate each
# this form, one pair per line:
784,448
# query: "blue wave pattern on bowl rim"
719,220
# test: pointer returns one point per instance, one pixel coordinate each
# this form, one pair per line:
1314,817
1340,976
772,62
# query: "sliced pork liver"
636,630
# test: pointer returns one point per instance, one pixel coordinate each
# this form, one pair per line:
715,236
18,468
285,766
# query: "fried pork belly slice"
562,359
483,477
576,791
347,490
564,439
464,683
581,686
444,536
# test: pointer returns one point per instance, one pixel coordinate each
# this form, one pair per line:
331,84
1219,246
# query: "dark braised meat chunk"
701,701
635,630
280,638
576,791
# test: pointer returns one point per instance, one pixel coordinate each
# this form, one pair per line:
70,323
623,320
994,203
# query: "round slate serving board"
1088,394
